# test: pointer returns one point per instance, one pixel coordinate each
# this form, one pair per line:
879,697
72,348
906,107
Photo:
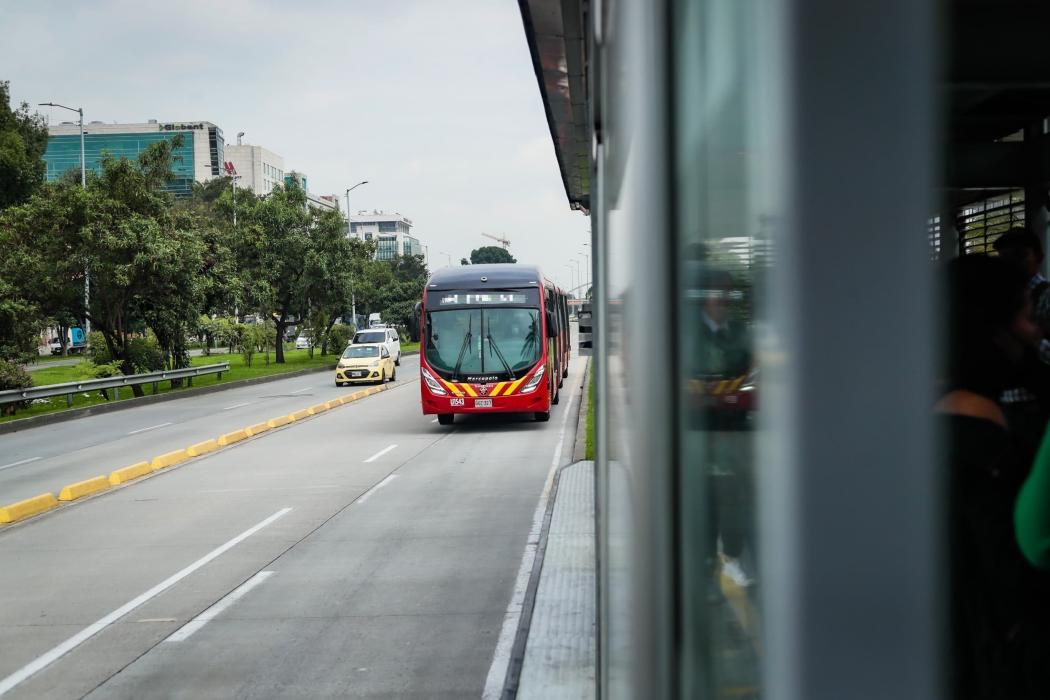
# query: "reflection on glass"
725,172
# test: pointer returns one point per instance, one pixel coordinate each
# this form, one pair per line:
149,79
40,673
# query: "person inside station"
999,605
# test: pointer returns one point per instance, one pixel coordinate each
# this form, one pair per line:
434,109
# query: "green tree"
23,140
490,254
144,257
292,259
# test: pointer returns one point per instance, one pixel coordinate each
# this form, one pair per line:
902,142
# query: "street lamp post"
353,294
579,275
447,256
590,282
83,184
572,286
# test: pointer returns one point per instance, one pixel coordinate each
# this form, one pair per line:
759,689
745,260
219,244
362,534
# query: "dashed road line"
187,630
379,454
239,405
46,659
19,463
152,427
368,494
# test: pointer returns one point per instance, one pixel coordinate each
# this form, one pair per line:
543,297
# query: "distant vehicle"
75,342
387,336
495,339
375,320
303,342
369,362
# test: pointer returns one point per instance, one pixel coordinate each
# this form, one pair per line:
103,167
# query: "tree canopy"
23,140
490,254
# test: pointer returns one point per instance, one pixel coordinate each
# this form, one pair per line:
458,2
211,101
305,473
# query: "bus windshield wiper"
462,349
495,348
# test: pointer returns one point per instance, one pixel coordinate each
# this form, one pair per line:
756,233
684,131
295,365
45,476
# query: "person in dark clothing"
999,615
1027,403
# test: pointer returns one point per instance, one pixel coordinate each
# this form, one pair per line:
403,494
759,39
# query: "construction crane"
502,239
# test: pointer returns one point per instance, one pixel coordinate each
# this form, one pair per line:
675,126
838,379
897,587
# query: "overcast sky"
434,103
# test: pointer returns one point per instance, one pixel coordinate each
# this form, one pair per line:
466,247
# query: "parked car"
387,336
303,342
367,362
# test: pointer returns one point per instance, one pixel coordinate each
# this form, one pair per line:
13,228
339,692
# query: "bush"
144,353
339,337
13,376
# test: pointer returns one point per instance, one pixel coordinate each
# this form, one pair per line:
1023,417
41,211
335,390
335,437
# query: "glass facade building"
200,156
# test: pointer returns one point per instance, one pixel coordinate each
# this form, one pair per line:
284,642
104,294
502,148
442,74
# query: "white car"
302,342
386,336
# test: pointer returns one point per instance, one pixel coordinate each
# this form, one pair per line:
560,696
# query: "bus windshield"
500,343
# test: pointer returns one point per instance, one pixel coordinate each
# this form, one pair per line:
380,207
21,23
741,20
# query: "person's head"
989,323
1022,247
716,286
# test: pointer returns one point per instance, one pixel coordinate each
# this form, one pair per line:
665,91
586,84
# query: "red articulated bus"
494,339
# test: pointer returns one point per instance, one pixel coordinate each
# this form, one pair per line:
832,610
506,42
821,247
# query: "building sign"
183,127
229,168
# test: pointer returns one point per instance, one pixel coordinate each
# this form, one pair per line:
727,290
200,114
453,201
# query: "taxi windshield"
355,351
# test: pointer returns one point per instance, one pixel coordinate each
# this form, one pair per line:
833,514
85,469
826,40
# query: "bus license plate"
457,402
482,403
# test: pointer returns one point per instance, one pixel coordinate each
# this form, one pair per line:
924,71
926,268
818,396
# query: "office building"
390,231
199,158
259,169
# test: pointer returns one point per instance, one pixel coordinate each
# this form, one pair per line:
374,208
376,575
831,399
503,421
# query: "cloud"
436,104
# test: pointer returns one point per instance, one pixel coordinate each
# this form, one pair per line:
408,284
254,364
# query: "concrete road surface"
367,552
48,457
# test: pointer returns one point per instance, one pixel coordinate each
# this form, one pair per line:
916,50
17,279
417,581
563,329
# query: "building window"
388,227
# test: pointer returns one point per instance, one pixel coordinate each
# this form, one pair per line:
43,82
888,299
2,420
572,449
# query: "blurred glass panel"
725,173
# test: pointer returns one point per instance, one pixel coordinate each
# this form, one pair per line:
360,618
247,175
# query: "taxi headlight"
530,386
432,384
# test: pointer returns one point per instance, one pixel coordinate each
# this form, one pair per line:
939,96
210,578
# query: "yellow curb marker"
169,459
299,415
84,488
202,448
317,408
120,476
333,404
21,510
235,436
256,429
278,421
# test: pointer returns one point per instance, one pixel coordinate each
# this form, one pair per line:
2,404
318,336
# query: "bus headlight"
432,384
530,386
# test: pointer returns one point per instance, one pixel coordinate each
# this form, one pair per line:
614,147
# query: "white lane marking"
368,494
512,617
239,405
434,421
152,427
49,657
187,630
299,391
19,463
379,454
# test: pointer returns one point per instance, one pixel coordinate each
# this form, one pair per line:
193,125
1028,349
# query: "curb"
25,509
579,449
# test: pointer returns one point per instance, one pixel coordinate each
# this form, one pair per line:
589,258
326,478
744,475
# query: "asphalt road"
48,457
367,552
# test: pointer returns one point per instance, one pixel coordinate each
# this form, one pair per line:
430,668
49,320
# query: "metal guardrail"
67,389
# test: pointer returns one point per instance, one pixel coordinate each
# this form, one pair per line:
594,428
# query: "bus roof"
498,275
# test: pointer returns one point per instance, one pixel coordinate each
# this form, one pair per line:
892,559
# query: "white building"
390,231
260,169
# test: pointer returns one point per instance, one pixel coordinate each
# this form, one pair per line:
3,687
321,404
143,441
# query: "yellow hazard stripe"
469,389
498,389
452,387
514,387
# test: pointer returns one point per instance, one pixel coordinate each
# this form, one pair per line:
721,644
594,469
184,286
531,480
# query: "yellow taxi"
365,362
